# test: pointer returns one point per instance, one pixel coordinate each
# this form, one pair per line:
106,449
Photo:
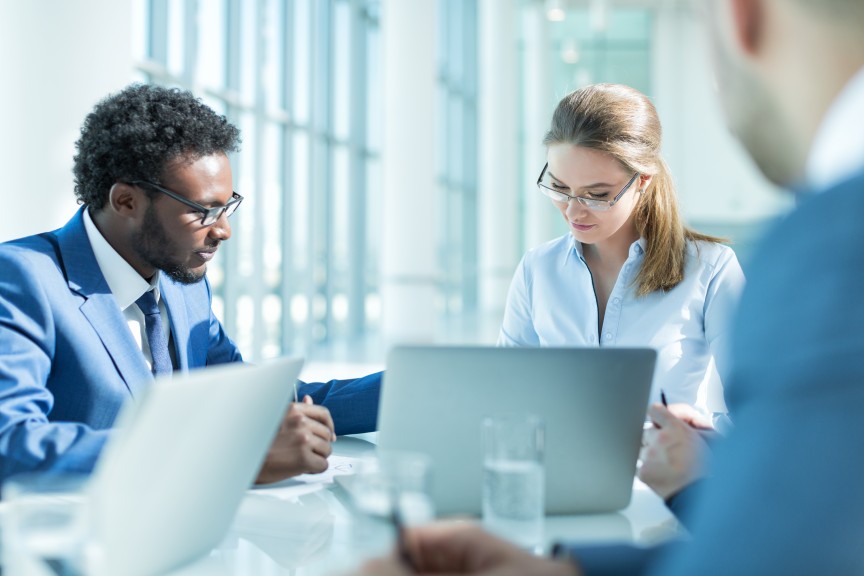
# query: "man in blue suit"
786,490
91,312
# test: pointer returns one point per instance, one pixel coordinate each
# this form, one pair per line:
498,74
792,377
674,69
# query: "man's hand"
301,445
455,548
673,452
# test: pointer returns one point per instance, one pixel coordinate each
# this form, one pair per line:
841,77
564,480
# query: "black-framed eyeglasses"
208,215
553,190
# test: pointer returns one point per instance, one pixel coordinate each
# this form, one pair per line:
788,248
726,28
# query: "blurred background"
390,147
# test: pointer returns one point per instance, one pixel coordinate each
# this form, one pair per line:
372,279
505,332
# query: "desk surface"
307,526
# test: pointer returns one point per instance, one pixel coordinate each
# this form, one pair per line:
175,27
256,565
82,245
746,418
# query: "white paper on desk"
305,483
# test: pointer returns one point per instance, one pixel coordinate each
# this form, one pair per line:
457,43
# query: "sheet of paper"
306,483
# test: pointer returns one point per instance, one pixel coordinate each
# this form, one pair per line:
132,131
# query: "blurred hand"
455,548
301,445
691,416
673,452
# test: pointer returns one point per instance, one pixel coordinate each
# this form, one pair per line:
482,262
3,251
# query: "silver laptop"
170,481
593,401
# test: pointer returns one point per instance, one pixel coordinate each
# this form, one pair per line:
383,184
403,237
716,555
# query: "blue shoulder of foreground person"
785,492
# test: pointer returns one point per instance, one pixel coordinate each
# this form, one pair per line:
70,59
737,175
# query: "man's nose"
221,229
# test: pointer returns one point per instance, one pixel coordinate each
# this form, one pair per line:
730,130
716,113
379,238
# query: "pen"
296,399
663,398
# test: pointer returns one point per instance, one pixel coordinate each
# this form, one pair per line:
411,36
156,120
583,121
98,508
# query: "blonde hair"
623,122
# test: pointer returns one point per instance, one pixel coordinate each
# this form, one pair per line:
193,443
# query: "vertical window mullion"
258,287
289,275
157,46
321,133
190,42
232,84
357,168
469,274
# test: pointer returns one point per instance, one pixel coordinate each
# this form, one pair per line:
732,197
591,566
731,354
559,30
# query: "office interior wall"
58,59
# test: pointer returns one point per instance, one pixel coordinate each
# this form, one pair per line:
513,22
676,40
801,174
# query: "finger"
387,566
649,436
456,547
321,446
307,399
316,430
311,450
322,415
316,463
659,415
643,454
691,416
314,418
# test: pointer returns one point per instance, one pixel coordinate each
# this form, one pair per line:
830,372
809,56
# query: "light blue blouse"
552,303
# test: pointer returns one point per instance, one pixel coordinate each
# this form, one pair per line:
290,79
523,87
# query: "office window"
457,154
300,272
603,44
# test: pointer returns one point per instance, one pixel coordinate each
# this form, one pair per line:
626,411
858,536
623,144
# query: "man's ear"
747,23
124,199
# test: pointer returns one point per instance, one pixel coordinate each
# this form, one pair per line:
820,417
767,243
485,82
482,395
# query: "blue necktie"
155,334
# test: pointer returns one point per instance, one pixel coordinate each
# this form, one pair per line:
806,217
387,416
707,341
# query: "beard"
152,245
759,126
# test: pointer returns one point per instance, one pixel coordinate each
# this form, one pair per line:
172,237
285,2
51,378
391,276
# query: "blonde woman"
629,273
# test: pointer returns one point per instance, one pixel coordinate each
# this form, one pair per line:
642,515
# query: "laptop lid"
593,402
170,480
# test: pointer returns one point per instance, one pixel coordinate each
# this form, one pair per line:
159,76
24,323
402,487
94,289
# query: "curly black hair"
135,133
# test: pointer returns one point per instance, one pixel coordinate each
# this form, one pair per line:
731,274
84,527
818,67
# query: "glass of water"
46,529
514,480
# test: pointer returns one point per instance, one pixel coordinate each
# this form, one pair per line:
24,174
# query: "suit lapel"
100,308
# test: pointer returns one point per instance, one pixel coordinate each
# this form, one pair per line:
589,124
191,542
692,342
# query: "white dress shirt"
838,148
552,303
127,286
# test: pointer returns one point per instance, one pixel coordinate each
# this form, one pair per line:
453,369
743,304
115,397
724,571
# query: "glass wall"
601,44
457,154
299,78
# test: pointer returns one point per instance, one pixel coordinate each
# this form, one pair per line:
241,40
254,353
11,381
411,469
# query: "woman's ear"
644,181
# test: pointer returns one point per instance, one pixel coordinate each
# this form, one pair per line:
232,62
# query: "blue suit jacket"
787,491
68,360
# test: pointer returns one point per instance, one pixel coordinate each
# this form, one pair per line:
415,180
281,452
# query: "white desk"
298,529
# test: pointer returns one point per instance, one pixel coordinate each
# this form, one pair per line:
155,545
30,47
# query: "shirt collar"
838,148
636,249
125,283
